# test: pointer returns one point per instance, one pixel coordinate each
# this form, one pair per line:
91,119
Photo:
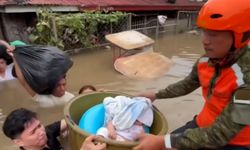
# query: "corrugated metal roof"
139,2
55,2
41,2
115,4
135,5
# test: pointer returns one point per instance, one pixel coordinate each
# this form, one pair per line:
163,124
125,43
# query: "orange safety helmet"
232,15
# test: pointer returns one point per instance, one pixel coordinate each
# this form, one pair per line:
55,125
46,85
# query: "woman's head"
4,55
5,59
3,65
87,88
227,15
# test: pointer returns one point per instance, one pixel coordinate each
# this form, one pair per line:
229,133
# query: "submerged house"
16,16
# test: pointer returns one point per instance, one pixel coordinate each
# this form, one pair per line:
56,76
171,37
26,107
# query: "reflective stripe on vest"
228,80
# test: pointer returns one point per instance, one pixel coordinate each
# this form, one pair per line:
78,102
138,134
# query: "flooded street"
95,67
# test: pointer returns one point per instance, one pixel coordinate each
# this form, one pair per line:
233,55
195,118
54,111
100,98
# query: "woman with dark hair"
87,88
6,64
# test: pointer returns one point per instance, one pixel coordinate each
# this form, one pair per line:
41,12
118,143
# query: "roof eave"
25,8
140,8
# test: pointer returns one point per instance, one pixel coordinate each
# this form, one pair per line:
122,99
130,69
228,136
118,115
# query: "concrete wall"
14,27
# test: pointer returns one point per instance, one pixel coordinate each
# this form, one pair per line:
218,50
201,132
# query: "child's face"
217,43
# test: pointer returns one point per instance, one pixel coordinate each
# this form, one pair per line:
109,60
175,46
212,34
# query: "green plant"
73,30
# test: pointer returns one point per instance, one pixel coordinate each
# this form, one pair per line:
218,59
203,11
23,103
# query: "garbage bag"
42,66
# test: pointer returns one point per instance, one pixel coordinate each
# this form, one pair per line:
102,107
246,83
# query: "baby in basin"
125,118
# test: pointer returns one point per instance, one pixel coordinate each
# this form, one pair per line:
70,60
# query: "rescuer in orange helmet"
223,74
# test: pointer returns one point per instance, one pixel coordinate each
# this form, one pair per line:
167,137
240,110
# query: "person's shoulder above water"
8,73
6,64
51,100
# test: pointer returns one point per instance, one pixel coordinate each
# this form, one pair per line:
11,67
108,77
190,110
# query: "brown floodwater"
95,67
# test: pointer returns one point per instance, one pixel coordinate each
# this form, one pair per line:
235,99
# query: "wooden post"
129,21
54,28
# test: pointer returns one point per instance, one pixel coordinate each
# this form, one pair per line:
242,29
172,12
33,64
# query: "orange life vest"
219,95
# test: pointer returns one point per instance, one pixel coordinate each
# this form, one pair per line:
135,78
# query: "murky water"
96,67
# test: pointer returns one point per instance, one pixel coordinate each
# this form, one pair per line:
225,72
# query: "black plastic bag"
42,66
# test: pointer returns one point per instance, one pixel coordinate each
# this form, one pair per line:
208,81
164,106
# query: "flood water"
96,67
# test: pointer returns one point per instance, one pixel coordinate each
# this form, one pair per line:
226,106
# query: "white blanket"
124,111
